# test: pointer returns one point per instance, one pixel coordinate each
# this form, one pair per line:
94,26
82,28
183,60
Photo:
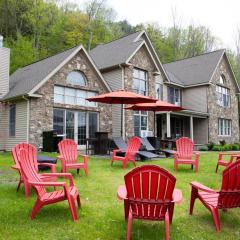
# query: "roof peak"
199,55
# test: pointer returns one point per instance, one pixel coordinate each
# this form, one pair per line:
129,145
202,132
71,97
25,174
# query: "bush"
210,146
222,142
235,147
217,147
227,147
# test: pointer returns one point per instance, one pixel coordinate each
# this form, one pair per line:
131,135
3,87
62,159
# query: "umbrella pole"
154,130
121,120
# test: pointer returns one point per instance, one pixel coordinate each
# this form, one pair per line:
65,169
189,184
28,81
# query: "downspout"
123,85
28,111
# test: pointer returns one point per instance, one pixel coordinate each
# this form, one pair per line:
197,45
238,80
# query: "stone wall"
143,61
41,109
216,111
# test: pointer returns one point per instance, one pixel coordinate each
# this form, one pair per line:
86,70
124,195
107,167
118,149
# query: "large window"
174,96
12,121
140,122
65,95
223,96
77,125
76,78
159,91
224,127
140,81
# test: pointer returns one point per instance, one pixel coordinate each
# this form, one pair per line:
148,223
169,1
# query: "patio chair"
69,156
133,147
223,162
69,193
32,151
121,144
227,197
185,153
149,194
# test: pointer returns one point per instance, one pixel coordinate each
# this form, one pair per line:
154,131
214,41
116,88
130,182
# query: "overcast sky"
221,16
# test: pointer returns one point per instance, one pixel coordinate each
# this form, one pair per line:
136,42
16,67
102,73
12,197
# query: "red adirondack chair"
223,162
149,194
69,193
133,147
32,151
69,156
227,197
185,153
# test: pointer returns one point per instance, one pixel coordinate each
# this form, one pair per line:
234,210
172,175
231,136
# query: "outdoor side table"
45,159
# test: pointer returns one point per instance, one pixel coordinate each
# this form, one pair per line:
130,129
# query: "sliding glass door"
76,125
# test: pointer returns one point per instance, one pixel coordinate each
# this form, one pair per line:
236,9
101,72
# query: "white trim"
197,85
175,84
150,43
40,84
136,50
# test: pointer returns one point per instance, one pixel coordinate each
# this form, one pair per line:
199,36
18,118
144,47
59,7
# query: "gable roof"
115,52
30,78
195,70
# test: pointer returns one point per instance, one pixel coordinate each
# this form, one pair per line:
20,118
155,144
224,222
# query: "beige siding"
4,70
195,98
200,130
114,79
21,126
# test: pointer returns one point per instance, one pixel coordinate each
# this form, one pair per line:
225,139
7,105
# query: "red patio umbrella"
121,97
158,106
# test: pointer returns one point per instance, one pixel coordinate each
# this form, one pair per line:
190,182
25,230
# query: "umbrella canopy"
121,97
155,107
158,106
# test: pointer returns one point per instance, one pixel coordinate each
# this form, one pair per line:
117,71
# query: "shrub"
217,147
235,147
210,146
222,142
227,147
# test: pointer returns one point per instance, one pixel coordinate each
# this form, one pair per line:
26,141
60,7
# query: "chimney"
4,68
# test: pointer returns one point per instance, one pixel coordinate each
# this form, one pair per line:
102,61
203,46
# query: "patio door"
70,125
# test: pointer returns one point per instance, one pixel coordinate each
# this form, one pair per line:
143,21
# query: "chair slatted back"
229,195
120,143
32,151
133,147
68,149
149,190
147,144
185,147
29,170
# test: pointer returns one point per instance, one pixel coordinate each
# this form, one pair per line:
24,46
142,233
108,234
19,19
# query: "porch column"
191,127
168,125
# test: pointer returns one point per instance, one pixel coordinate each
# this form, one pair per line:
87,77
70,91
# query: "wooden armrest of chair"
49,184
201,187
63,175
177,196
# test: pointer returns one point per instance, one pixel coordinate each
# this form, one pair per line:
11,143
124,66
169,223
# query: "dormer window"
77,78
222,79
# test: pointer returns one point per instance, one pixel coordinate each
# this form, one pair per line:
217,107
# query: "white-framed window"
223,96
72,96
159,91
174,96
77,78
140,81
222,79
12,121
224,127
140,122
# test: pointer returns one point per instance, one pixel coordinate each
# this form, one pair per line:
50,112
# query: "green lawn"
101,215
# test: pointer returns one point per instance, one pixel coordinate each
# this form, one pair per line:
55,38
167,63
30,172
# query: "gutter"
28,112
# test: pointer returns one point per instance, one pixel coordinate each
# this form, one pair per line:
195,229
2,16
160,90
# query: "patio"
101,216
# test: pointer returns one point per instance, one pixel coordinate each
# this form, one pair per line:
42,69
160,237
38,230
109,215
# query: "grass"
101,216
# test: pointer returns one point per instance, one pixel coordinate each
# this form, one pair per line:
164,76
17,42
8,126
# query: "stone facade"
41,109
216,111
142,61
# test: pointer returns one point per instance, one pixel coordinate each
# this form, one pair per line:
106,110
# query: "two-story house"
51,94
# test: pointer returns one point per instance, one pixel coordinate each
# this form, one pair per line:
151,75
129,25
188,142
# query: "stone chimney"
4,68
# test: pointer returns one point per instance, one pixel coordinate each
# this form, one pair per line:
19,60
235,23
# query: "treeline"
35,29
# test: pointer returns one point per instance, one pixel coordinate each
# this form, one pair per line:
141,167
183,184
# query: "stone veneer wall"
41,109
216,111
140,60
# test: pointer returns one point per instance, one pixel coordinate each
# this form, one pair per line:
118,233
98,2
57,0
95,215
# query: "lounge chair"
121,144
